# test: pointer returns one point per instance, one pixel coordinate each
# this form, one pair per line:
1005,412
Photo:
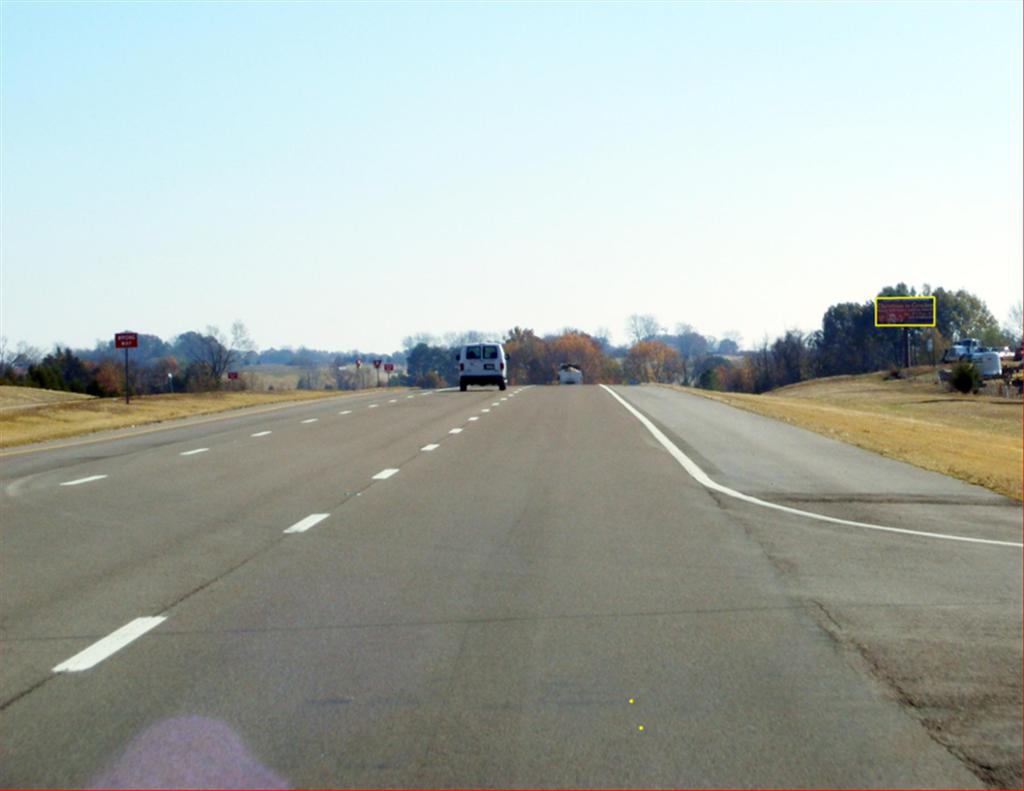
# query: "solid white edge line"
430,447
383,475
701,477
304,524
78,481
193,452
110,644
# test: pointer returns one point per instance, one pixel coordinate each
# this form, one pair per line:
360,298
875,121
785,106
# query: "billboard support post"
126,341
905,312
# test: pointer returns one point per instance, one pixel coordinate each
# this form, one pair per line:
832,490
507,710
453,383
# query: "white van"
482,364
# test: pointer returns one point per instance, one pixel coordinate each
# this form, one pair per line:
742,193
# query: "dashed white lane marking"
473,418
702,478
304,524
84,480
373,406
432,446
455,431
497,403
505,398
193,452
485,410
311,420
110,644
393,401
261,434
345,412
410,396
385,474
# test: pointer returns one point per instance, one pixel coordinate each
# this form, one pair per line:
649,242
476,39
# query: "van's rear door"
473,365
489,357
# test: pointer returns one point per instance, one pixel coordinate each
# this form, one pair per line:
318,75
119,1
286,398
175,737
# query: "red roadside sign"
126,340
232,374
389,367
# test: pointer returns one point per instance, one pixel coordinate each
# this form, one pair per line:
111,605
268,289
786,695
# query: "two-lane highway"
518,588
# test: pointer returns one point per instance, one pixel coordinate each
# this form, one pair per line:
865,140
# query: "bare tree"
643,327
241,342
210,353
25,355
412,341
1013,326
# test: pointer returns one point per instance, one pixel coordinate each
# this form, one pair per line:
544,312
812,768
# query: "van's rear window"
472,352
490,352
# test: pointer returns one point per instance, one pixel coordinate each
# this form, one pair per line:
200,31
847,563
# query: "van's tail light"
501,366
462,366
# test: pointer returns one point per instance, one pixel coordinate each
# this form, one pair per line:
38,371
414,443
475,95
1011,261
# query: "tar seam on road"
701,477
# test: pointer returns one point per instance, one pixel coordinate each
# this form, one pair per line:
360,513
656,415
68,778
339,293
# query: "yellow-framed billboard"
904,311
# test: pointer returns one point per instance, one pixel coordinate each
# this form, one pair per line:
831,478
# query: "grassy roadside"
974,438
70,418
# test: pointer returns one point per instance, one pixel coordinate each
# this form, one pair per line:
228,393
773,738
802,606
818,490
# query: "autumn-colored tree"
579,349
527,358
653,361
161,374
108,379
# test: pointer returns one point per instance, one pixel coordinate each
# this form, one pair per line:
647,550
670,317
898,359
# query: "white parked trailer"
569,375
988,364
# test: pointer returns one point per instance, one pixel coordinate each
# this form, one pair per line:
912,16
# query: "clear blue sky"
343,175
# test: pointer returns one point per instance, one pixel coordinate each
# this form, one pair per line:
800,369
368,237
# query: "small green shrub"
965,378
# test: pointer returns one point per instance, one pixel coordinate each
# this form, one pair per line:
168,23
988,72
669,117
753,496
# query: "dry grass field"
55,416
28,397
976,438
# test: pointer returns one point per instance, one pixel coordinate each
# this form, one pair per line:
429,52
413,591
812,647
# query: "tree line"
192,361
846,343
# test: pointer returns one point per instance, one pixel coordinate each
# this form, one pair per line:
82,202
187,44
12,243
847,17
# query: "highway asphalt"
514,589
